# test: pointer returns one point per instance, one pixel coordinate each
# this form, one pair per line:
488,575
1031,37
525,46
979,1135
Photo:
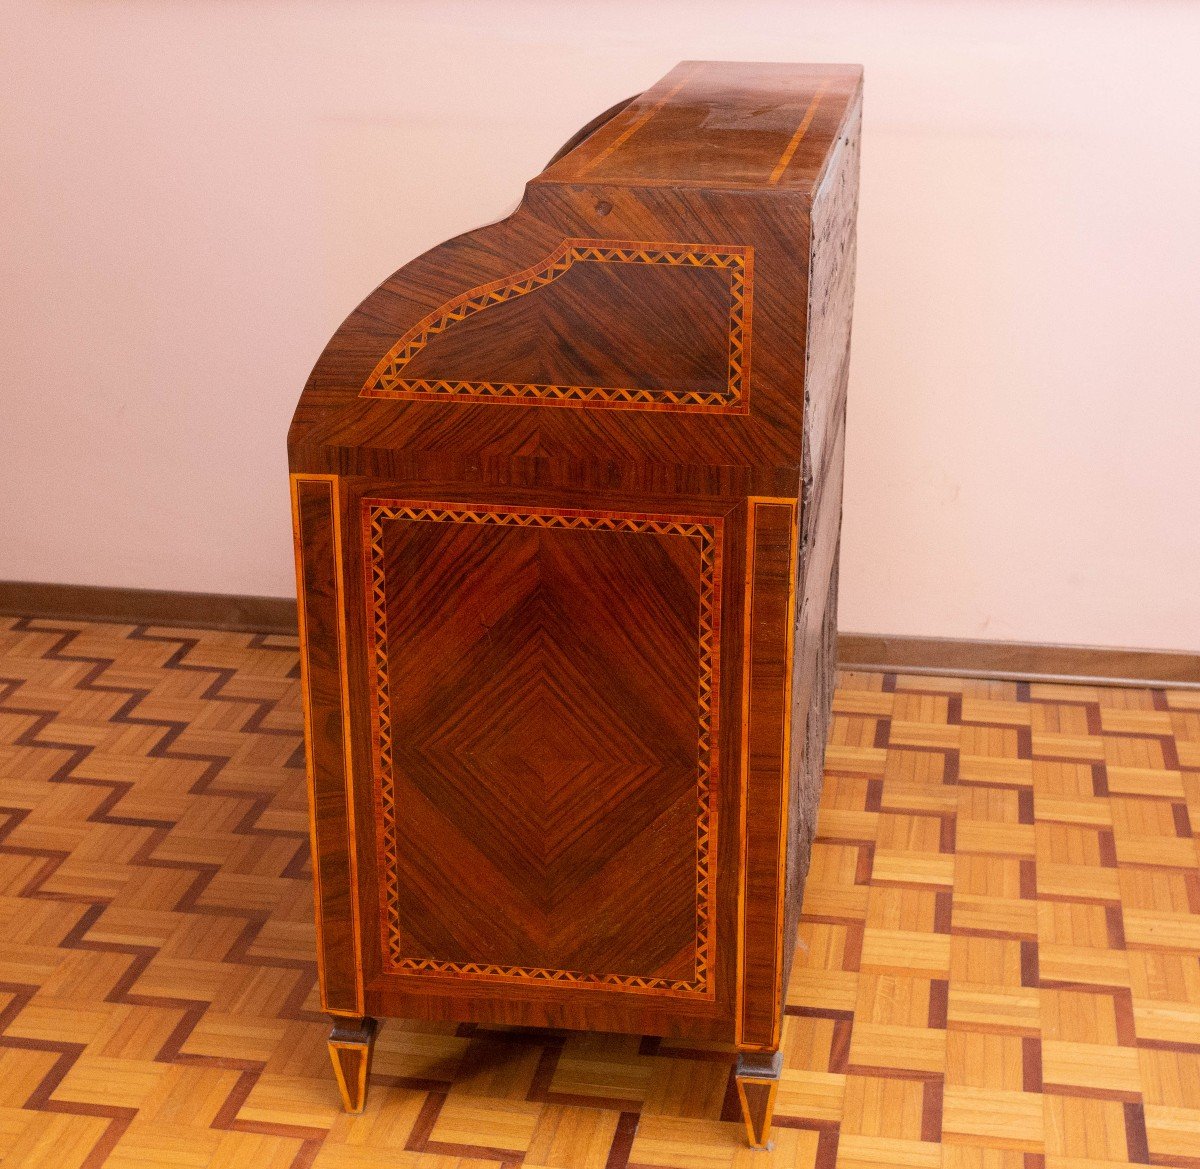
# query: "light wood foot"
757,1082
351,1043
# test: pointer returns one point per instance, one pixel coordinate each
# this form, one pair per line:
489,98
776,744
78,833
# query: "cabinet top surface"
756,125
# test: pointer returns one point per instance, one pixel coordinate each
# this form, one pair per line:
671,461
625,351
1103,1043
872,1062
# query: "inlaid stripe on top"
786,157
634,126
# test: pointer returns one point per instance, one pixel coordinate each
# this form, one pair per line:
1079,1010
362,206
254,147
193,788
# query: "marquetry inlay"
706,534
388,379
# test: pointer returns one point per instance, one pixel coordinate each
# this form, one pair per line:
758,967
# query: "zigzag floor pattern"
999,962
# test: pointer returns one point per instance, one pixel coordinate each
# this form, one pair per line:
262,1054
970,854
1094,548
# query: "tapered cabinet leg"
757,1083
351,1043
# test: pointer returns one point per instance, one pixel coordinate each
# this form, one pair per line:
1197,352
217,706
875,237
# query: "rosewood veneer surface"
567,496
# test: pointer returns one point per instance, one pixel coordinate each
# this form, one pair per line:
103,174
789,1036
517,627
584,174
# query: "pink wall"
195,193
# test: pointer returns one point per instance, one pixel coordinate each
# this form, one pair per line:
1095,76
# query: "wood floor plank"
997,968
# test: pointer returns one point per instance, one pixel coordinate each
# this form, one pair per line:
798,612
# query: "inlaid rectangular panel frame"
709,534
387,379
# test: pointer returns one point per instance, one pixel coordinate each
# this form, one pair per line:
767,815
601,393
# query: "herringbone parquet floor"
999,960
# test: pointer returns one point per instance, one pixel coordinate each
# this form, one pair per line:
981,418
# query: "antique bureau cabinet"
567,494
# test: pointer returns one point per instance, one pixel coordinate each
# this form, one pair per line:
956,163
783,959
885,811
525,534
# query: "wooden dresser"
567,495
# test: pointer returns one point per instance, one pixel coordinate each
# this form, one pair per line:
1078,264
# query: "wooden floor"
998,968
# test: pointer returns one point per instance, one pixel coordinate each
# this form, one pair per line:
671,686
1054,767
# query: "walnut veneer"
567,495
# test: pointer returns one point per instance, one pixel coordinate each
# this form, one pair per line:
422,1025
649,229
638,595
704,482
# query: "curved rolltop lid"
662,304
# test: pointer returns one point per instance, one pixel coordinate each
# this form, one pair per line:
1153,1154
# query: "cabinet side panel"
770,556
318,570
814,670
831,299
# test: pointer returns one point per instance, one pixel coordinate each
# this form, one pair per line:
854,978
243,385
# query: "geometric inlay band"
387,380
706,532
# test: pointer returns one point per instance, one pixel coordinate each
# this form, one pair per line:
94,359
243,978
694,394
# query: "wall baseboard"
1005,660
1019,661
149,606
